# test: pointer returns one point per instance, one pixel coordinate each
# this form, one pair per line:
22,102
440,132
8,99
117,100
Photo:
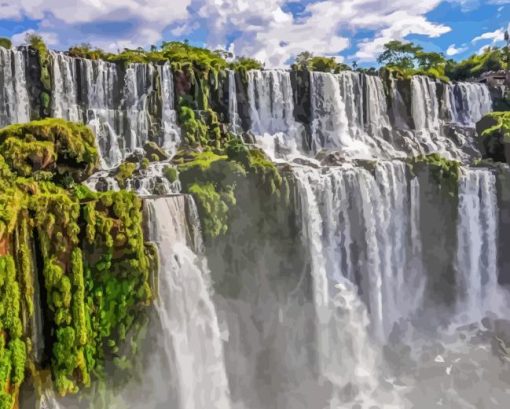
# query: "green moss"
446,172
41,143
5,42
213,178
170,173
124,172
12,347
94,261
500,128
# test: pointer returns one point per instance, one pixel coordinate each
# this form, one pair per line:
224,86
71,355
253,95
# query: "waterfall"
468,102
349,112
271,104
477,243
171,134
424,106
233,116
370,231
114,101
14,102
345,351
189,342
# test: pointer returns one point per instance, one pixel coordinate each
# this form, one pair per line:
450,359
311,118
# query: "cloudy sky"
273,31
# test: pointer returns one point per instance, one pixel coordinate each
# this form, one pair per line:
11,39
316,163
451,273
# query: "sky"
273,31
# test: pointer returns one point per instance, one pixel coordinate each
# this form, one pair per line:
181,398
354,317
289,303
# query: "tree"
400,55
5,42
307,61
428,60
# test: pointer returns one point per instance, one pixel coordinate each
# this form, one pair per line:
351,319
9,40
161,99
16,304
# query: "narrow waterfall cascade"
271,105
188,350
14,103
468,103
477,245
349,112
233,115
115,103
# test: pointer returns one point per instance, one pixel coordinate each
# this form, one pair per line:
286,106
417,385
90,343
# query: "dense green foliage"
180,55
5,42
36,41
407,59
307,61
94,262
492,59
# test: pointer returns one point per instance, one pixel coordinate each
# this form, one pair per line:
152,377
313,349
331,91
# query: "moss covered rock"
92,259
50,144
494,136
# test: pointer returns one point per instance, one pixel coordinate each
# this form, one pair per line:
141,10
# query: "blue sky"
271,30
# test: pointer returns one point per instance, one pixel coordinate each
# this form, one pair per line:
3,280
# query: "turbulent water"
391,298
14,106
187,367
116,103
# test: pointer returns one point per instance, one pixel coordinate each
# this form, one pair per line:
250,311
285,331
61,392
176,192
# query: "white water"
114,103
477,245
189,344
14,103
233,116
271,103
468,102
379,216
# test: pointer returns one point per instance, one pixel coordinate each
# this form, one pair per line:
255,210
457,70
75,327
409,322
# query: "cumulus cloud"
323,27
454,50
492,36
107,23
264,29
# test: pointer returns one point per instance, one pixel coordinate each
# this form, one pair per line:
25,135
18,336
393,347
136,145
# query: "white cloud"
453,50
275,36
262,29
493,36
110,24
49,38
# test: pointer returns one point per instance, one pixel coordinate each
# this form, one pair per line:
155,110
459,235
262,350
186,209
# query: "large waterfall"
378,285
188,366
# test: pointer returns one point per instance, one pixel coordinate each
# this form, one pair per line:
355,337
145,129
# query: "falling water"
370,235
477,243
233,116
171,134
14,103
189,343
114,101
468,102
271,103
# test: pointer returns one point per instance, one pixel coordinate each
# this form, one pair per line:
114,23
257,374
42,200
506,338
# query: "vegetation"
407,59
93,259
494,133
213,177
492,59
307,61
5,42
446,172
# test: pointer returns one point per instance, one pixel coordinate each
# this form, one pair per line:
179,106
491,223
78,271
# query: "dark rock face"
503,189
492,144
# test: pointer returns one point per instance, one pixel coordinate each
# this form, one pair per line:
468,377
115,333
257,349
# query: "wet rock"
155,153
